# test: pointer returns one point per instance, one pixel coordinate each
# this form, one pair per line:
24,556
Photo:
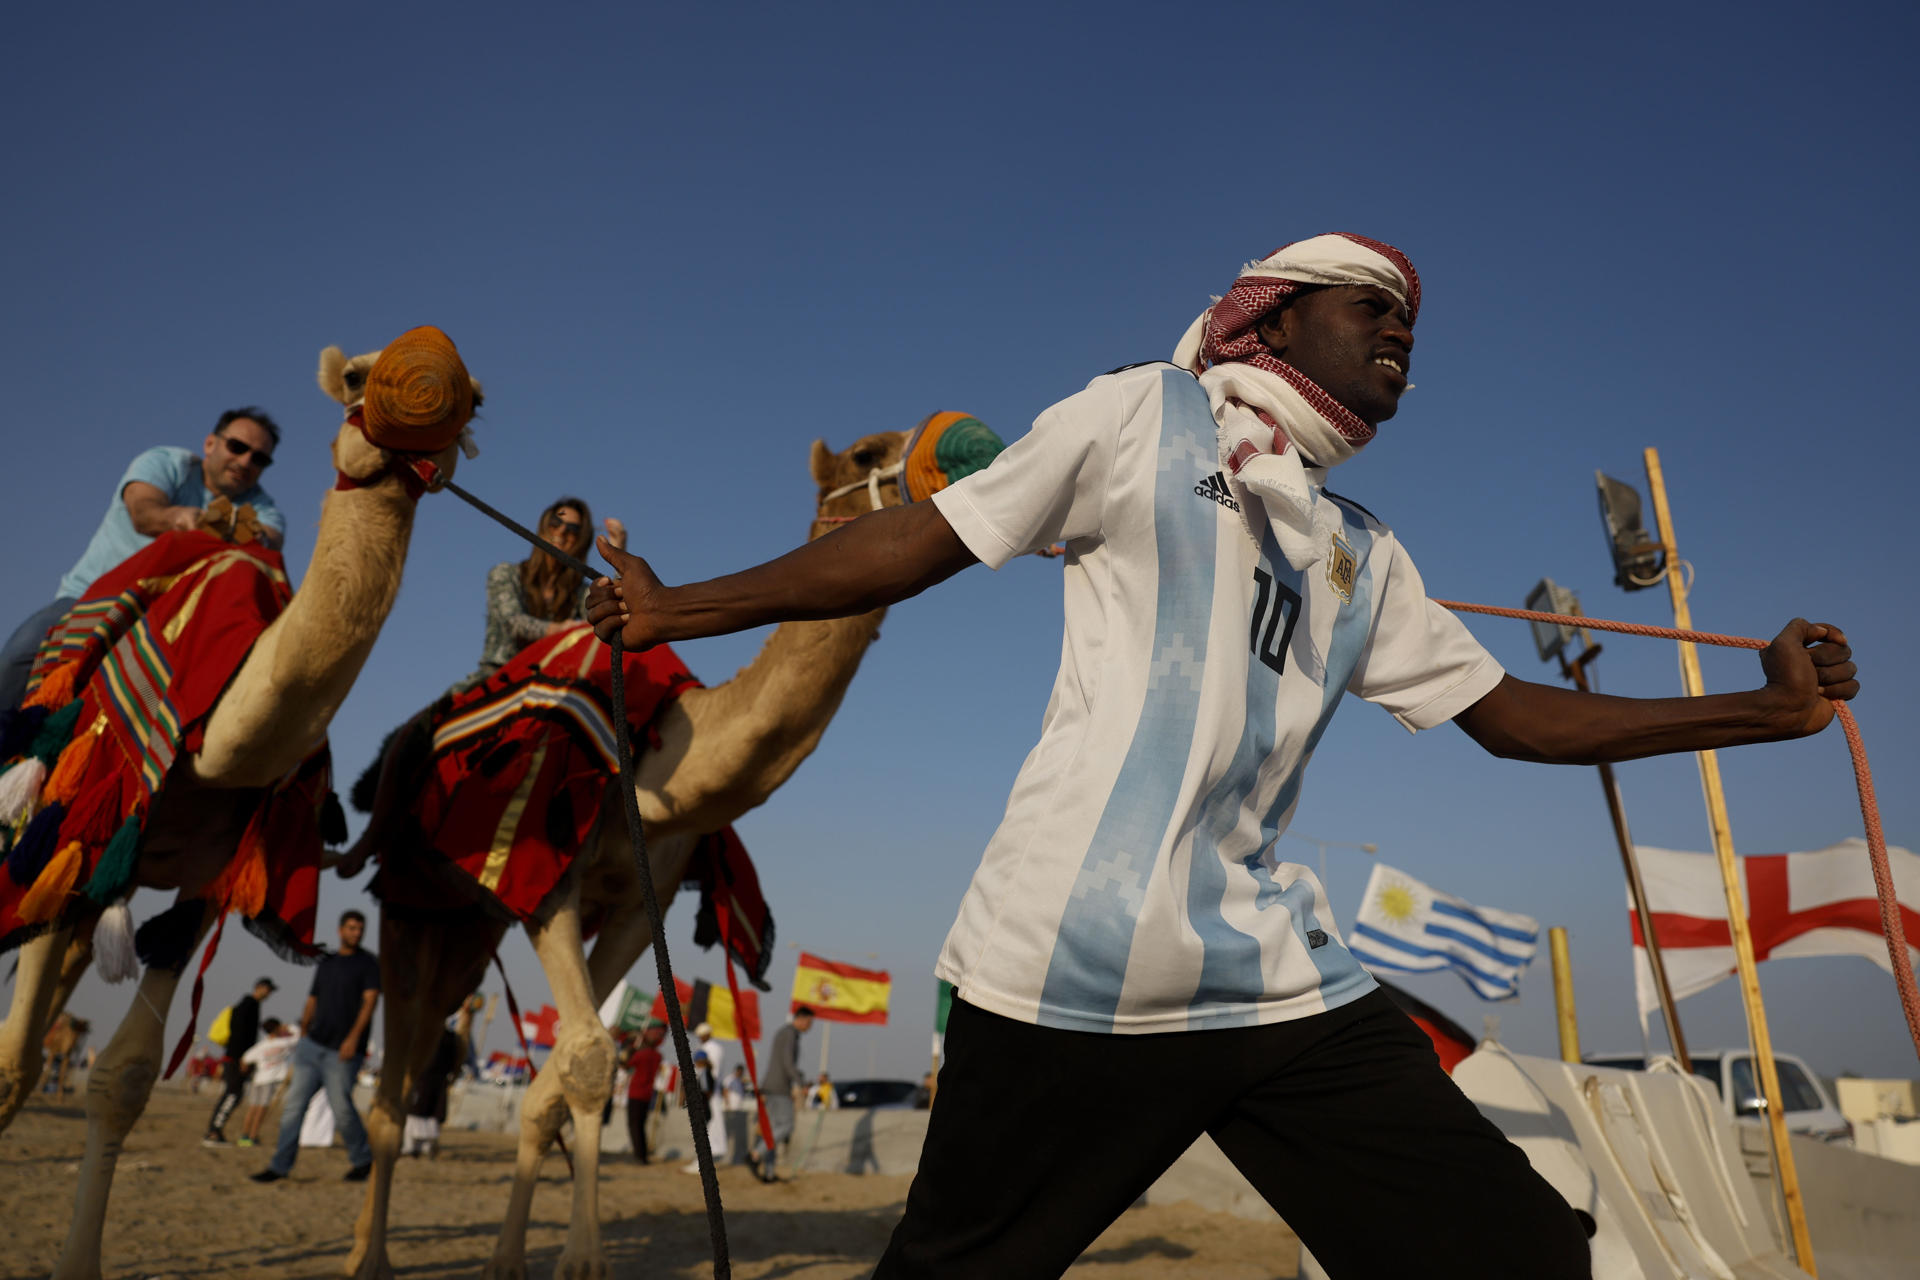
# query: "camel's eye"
355,378
866,456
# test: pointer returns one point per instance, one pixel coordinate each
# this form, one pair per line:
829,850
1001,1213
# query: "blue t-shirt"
179,474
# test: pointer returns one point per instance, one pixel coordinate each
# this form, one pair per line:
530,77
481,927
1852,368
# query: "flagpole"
826,1043
1730,881
1563,995
1576,671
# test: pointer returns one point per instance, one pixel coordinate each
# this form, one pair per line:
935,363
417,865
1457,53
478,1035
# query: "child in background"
267,1065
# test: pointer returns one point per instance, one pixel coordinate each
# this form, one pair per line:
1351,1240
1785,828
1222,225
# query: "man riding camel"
165,488
1130,918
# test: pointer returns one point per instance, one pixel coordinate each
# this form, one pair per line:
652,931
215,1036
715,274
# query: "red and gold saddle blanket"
121,688
519,771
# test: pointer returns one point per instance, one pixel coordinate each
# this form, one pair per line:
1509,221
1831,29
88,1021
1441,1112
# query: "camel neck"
299,671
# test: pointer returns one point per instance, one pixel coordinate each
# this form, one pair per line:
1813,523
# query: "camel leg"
426,967
34,987
74,963
118,1087
73,967
626,934
578,1078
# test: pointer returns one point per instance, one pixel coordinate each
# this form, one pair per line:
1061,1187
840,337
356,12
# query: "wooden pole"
1730,880
1577,672
1563,994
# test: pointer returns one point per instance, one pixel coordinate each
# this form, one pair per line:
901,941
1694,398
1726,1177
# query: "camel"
268,720
722,751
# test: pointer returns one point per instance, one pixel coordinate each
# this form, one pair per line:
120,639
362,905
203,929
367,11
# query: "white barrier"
1669,1180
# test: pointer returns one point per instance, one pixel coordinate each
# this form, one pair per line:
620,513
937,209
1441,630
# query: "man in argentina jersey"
1130,921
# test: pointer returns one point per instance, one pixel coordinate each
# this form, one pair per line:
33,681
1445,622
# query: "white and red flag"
539,1026
1798,904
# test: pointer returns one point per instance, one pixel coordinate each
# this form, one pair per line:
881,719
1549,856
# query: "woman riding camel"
526,601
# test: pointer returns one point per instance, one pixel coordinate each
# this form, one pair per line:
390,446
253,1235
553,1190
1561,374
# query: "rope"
1891,925
637,836
683,1051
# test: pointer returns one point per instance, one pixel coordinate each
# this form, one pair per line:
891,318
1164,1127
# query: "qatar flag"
1798,904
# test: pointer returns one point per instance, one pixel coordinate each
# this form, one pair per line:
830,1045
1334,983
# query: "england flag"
1405,926
1798,904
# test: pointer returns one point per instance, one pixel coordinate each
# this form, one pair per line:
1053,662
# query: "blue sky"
680,244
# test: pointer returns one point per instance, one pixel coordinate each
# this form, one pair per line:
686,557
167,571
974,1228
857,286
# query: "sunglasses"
561,522
240,449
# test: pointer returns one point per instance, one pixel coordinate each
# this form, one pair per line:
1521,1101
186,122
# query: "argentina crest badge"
1342,569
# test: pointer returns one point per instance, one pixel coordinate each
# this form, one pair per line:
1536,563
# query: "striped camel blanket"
516,775
122,687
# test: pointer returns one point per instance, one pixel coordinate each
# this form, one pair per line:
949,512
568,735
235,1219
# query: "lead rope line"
637,836
1891,924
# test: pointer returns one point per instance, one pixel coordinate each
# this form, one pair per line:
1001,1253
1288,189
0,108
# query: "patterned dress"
510,626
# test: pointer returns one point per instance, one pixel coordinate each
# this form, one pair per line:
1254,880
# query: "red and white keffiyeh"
1274,421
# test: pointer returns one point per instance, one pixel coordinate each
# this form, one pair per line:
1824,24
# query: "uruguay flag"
1408,927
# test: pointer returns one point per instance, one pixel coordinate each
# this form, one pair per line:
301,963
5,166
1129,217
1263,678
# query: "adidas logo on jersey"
1215,487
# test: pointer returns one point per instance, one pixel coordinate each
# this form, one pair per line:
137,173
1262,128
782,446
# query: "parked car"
875,1093
1810,1107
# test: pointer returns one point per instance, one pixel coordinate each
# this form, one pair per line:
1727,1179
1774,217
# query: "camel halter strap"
1891,925
871,484
637,836
418,472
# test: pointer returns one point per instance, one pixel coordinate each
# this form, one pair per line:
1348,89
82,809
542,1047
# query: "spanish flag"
701,1002
841,992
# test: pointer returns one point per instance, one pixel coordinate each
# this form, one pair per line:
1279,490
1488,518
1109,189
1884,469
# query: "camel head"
345,379
891,467
845,478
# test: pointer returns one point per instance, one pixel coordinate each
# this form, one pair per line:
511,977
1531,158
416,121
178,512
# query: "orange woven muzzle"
419,394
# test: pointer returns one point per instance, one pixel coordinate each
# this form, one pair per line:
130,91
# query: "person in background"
243,1028
643,1077
716,1050
164,489
709,1088
333,1028
783,1087
267,1065
734,1109
824,1096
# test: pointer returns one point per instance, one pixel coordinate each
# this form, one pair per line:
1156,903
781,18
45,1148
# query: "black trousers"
233,1079
1343,1121
637,1112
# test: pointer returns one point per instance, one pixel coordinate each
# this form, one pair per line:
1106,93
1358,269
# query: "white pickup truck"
1810,1108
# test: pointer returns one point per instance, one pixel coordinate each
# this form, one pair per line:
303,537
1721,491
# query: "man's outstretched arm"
1807,665
877,560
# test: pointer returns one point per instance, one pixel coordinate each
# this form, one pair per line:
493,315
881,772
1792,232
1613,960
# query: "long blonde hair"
552,589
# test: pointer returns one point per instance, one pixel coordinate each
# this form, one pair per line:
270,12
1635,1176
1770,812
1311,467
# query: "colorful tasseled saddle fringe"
122,685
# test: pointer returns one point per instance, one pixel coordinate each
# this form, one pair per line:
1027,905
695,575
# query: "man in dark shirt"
333,1037
783,1084
243,1028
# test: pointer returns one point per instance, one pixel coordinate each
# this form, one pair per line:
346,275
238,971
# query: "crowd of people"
310,1068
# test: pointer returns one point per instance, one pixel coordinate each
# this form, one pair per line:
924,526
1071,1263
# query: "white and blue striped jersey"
1133,884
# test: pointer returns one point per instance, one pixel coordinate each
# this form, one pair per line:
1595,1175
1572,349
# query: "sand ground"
182,1210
